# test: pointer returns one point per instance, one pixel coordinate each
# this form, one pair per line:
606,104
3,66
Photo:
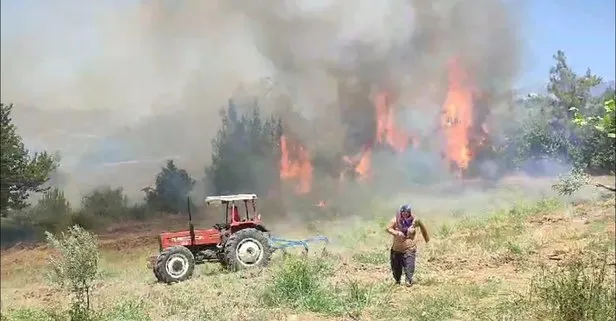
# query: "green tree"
569,89
549,130
245,153
598,133
105,202
52,212
540,139
170,190
76,267
21,173
605,124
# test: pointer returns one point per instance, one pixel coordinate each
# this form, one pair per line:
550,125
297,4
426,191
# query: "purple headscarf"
404,223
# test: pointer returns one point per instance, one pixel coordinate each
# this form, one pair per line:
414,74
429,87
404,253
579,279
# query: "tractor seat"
235,214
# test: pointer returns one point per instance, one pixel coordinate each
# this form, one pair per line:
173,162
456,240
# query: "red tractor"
241,242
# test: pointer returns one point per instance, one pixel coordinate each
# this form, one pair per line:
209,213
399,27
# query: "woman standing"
403,227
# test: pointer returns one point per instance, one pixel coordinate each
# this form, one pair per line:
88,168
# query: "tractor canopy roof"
230,198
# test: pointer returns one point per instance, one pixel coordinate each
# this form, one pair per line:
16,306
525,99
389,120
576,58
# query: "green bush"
357,296
570,183
105,202
141,211
300,284
127,310
580,290
51,213
76,267
104,205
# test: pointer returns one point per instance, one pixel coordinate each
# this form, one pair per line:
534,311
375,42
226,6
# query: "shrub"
126,310
300,284
76,267
53,212
580,290
140,211
357,296
571,182
105,202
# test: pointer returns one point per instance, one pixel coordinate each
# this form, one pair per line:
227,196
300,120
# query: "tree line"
568,125
244,160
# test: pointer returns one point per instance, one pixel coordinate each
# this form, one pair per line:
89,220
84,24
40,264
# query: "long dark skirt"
403,262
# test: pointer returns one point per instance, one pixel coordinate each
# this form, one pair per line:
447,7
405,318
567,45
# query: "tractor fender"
255,226
261,228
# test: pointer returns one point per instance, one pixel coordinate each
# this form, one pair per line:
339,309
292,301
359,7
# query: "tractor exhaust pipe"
191,227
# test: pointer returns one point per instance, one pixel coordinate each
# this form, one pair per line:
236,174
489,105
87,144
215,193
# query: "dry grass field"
541,258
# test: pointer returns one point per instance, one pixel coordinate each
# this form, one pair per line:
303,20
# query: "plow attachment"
281,244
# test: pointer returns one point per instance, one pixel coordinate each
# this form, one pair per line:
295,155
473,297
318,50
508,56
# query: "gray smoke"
160,70
335,55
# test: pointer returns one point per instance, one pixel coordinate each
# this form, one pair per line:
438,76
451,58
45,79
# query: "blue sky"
583,29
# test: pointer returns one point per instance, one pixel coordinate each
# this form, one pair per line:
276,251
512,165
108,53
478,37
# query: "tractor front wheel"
247,248
174,264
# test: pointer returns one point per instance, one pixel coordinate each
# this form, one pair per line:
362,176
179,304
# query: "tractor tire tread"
160,269
230,258
156,274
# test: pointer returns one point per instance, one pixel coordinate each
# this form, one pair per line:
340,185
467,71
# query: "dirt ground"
472,269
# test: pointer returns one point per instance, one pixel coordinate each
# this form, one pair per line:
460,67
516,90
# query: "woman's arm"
391,228
424,230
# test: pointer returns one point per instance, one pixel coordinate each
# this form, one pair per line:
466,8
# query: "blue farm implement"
277,243
241,242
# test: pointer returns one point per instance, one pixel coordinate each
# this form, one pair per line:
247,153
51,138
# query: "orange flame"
386,130
457,118
298,168
363,167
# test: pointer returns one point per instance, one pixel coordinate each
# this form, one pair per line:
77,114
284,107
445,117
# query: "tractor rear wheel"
156,274
247,248
174,264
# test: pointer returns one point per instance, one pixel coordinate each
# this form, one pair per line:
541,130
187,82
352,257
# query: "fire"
386,134
456,123
364,165
298,168
386,130
457,118
361,165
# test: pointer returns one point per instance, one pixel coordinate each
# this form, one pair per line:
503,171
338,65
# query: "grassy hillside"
537,260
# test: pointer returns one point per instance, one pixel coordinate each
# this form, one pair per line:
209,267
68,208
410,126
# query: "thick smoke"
160,70
331,59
